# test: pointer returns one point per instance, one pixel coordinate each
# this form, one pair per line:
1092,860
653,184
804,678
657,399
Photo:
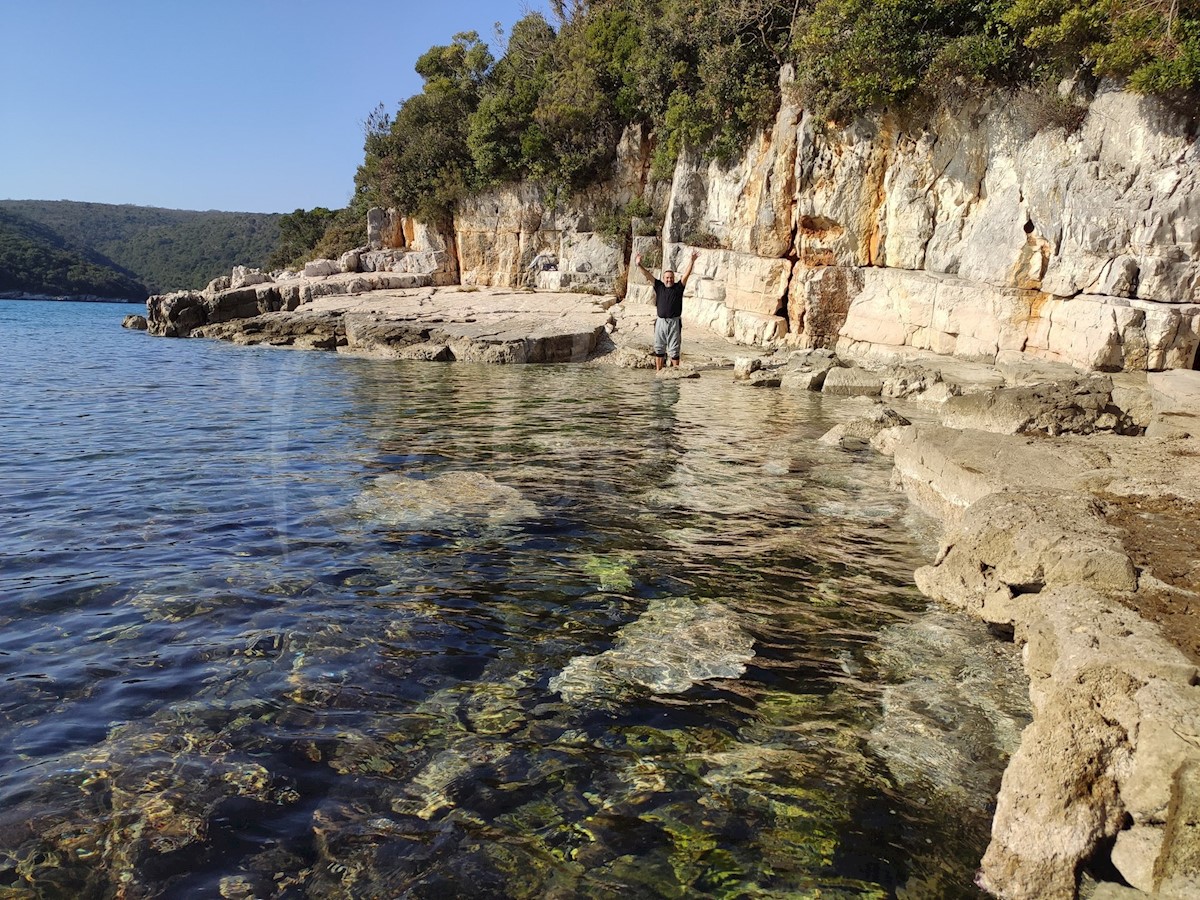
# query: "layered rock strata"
973,236
1047,536
433,324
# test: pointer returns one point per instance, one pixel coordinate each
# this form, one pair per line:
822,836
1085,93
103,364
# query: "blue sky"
241,105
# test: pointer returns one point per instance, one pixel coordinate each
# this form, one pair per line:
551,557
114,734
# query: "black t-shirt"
668,301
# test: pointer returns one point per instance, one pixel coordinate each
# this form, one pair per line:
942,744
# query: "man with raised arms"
668,302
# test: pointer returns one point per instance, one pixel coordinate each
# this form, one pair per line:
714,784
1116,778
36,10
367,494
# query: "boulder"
218,284
861,430
772,377
349,261
908,381
176,314
1058,800
319,268
806,370
744,366
1100,760
1081,406
245,277
852,382
1016,544
137,323
676,373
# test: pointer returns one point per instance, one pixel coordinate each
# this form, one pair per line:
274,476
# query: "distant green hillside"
35,260
164,249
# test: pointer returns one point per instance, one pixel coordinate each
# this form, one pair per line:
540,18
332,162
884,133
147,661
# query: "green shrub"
704,239
639,208
702,76
1041,108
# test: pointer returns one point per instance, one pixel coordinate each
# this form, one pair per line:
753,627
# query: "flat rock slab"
486,325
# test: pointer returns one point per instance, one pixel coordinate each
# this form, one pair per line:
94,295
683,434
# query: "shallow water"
279,623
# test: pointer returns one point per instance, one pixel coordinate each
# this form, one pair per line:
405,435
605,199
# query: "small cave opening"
1029,226
1099,864
1004,632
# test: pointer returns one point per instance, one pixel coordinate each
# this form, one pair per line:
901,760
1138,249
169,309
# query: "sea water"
280,624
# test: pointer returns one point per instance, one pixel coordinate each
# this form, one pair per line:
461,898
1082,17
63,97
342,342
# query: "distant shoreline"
86,298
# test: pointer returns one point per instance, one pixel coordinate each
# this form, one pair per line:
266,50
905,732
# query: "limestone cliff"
975,237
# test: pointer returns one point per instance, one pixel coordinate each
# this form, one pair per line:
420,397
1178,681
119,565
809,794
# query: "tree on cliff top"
857,55
703,75
420,162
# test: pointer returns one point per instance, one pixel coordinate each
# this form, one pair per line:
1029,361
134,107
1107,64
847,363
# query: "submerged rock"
448,499
864,428
670,647
953,707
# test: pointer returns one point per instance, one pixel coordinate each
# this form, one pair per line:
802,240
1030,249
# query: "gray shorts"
668,337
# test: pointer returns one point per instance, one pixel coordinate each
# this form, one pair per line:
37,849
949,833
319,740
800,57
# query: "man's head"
668,277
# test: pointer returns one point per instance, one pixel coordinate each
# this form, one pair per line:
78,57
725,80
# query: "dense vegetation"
858,55
317,233
702,74
163,249
35,260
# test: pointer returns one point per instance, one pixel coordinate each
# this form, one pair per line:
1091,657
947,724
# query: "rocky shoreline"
1068,502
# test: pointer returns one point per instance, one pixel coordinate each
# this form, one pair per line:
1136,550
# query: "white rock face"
320,268
590,253
975,238
243,276
749,207
951,316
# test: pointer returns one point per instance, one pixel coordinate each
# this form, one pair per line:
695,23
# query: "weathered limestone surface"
1031,543
499,233
956,317
1175,400
1079,405
434,324
177,314
976,238
851,381
858,433
748,207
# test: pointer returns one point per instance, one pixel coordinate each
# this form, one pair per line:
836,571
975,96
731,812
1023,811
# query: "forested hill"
35,260
162,249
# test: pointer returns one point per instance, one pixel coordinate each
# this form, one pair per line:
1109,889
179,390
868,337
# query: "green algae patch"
613,572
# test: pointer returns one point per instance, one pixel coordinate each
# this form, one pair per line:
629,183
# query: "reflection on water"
282,624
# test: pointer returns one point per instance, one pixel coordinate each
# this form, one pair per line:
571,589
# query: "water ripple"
281,624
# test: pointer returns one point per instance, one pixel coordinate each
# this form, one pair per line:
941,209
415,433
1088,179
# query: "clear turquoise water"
288,624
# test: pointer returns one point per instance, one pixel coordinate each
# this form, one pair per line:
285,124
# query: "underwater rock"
443,500
953,707
670,647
